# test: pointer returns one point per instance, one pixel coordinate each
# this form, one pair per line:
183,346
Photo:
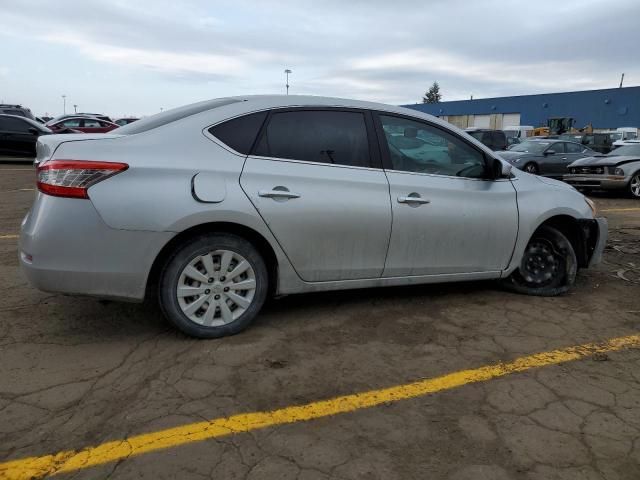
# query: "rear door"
447,218
315,178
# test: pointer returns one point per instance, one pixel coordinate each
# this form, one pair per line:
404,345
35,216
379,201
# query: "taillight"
72,178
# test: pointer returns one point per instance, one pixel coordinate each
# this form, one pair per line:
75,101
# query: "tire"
217,307
531,168
634,185
541,275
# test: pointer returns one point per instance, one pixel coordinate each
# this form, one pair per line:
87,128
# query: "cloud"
373,50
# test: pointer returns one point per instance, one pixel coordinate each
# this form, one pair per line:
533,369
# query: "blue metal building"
603,109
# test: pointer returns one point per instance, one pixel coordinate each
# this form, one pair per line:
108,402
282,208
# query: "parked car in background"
496,140
18,136
18,110
622,135
519,132
83,124
59,118
212,206
547,157
598,142
125,121
618,170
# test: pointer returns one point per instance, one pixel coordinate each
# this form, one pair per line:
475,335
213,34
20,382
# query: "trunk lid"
48,144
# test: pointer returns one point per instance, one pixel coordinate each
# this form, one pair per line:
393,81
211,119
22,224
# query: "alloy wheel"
634,185
216,288
531,168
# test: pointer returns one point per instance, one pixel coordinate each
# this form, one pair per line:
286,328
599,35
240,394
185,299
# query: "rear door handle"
564,158
276,193
413,199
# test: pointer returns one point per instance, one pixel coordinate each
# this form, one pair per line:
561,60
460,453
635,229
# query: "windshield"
626,150
615,136
530,147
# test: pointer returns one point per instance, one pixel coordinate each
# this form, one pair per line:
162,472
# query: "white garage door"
510,119
482,121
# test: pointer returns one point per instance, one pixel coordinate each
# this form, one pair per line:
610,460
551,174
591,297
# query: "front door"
317,183
447,217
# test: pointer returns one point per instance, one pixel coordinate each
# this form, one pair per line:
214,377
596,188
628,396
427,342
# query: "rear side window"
573,147
15,125
322,136
240,133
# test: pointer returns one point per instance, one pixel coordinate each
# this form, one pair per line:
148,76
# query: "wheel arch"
573,229
248,233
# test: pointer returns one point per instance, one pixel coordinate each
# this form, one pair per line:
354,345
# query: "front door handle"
564,158
413,199
278,192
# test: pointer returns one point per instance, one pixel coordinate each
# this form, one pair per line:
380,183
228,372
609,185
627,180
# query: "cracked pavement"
77,372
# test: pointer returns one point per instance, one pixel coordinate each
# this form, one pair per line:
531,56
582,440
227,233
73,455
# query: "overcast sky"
135,57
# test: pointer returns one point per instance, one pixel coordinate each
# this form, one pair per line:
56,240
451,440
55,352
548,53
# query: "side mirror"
501,169
549,152
34,131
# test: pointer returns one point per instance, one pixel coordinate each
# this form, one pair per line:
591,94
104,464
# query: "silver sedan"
214,206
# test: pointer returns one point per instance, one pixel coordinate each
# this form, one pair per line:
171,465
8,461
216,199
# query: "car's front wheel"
634,185
548,266
531,168
213,285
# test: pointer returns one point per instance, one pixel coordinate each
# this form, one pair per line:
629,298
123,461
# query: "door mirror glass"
501,169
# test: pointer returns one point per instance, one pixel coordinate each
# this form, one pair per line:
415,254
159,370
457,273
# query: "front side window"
323,136
419,147
557,147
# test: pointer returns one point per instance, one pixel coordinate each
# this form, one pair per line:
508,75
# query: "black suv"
494,139
18,110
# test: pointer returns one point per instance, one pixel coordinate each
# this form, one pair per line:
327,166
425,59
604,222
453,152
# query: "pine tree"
433,95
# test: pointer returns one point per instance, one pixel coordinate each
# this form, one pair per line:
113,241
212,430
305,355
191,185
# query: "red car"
83,124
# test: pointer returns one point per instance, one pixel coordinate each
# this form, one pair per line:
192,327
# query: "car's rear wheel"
548,266
531,168
213,285
634,185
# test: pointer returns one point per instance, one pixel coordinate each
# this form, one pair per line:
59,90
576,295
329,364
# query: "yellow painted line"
72,460
633,209
8,236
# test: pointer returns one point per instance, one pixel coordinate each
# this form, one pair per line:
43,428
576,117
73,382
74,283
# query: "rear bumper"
65,247
594,238
604,182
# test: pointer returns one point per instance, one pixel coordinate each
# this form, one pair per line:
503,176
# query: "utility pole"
75,108
621,80
287,72
64,104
